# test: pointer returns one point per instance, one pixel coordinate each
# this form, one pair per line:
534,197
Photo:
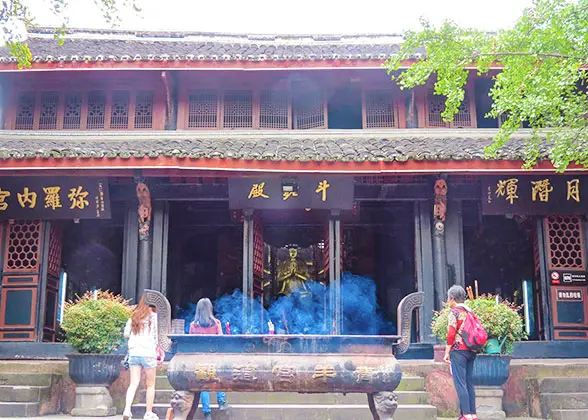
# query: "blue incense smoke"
305,313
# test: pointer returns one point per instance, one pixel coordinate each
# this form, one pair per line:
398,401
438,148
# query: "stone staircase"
563,398
414,404
21,394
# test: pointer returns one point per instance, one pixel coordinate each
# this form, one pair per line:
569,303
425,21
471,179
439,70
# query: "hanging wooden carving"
144,197
440,208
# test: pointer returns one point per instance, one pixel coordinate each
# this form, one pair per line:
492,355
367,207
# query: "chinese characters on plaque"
42,198
323,192
535,195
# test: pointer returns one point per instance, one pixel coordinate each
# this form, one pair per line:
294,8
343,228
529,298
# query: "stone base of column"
93,401
489,403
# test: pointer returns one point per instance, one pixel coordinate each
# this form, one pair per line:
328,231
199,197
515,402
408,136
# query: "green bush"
94,322
501,321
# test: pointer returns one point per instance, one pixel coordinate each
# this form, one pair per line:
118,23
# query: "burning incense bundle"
470,293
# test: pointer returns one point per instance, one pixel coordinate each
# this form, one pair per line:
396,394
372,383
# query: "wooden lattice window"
463,118
48,112
379,109
309,110
565,243
25,111
436,105
274,110
119,114
55,246
23,248
203,109
96,110
72,111
238,109
144,110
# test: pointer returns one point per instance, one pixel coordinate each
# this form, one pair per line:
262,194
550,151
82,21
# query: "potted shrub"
504,326
93,325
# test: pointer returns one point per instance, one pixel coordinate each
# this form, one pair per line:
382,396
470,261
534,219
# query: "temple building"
198,164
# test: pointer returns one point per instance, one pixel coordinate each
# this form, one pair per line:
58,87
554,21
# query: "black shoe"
223,407
207,416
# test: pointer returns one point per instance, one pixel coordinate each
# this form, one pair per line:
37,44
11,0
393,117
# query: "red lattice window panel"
25,111
72,112
238,109
119,113
379,109
436,105
203,109
309,110
48,112
463,118
274,110
565,243
144,110
23,247
55,246
96,110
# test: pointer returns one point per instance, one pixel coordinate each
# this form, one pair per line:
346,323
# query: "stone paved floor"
64,417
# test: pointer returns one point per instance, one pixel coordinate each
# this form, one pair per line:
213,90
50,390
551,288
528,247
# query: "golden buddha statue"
293,274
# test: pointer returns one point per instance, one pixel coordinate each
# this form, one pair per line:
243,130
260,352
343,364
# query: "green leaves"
94,322
16,17
541,82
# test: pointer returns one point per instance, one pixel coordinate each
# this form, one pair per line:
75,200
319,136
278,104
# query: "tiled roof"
307,146
112,45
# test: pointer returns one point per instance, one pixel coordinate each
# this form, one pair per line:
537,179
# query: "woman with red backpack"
458,354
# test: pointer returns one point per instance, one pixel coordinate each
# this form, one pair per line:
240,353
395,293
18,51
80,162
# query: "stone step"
569,401
562,385
30,379
23,393
569,415
404,397
408,383
299,411
19,409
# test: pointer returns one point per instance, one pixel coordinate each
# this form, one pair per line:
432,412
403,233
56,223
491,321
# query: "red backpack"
472,332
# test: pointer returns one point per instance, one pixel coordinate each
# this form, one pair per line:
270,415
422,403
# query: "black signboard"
43,198
325,192
535,195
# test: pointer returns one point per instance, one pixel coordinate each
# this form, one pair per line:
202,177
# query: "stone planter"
93,374
490,373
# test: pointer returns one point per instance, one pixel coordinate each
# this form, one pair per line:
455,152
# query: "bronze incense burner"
285,363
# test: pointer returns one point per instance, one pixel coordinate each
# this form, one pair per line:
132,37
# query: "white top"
143,344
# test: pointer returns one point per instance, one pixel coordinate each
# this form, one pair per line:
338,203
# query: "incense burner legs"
183,405
383,405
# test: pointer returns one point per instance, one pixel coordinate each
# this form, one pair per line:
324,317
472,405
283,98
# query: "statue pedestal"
93,401
489,403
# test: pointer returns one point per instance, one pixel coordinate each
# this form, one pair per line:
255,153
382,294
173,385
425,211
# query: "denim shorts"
144,362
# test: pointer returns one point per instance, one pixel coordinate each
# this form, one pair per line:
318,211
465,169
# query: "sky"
293,17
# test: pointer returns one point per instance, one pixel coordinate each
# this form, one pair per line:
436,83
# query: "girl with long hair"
205,323
141,330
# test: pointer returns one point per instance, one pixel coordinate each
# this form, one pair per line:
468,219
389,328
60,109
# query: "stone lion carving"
183,406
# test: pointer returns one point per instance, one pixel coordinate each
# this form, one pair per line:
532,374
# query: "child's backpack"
473,333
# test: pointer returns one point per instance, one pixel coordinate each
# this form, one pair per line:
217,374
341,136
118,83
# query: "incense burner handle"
405,310
157,299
